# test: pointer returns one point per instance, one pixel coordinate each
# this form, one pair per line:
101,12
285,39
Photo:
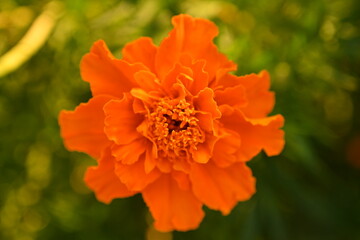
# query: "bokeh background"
311,49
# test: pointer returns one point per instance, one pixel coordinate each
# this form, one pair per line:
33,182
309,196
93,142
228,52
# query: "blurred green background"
311,49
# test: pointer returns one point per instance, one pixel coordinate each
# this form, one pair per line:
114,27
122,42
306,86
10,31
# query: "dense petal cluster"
170,122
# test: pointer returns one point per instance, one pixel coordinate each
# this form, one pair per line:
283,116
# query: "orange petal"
147,80
260,101
200,78
83,129
150,158
204,150
222,188
106,74
134,175
182,179
226,148
164,165
179,73
206,121
233,96
130,153
121,121
256,134
205,102
193,36
141,50
103,181
172,207
144,96
182,165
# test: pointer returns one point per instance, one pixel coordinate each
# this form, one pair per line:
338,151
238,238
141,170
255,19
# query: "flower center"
174,128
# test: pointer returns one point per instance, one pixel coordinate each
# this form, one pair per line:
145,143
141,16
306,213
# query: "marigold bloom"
171,123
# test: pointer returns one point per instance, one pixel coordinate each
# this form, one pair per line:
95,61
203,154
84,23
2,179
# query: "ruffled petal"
226,149
222,188
121,121
256,134
233,96
130,153
172,207
179,73
193,36
182,179
106,74
205,102
103,181
260,101
200,78
83,128
141,50
147,80
134,175
206,121
204,150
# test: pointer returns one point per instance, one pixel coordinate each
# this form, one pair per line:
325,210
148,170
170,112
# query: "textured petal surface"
106,74
233,96
259,100
130,153
172,207
205,102
141,50
83,128
121,121
103,181
222,188
256,134
193,36
134,175
226,149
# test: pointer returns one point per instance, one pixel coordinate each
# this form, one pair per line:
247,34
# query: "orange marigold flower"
171,123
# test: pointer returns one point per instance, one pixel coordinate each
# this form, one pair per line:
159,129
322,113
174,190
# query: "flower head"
171,123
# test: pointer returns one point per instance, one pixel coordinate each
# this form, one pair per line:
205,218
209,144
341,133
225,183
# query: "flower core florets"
174,127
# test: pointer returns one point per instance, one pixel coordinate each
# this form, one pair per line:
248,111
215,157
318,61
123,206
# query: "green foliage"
310,48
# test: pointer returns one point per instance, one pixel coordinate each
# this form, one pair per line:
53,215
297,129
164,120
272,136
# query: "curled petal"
222,188
233,96
83,128
134,175
130,153
206,121
121,121
226,149
145,97
260,101
141,50
205,102
106,74
255,134
103,181
193,36
182,179
179,73
147,80
199,75
172,207
204,150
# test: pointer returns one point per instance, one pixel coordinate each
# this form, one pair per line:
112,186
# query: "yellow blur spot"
35,37
38,166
